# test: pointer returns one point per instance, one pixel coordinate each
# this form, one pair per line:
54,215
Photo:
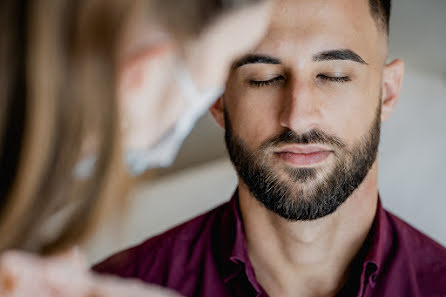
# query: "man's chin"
305,177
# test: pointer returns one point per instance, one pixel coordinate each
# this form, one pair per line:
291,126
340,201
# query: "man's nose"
301,108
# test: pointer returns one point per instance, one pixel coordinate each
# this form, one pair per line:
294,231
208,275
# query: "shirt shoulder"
423,249
423,259
159,259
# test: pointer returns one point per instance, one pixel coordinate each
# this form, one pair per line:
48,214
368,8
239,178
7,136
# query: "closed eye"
264,83
336,79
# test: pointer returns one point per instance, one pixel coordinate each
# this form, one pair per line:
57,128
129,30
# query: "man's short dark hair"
380,10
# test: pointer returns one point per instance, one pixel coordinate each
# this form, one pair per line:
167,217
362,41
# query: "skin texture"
311,258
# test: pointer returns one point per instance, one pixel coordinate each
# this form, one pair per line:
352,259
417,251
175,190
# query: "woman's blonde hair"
57,90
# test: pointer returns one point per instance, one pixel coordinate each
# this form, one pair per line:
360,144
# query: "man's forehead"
292,11
336,23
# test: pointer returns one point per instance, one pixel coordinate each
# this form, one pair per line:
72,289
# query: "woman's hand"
66,275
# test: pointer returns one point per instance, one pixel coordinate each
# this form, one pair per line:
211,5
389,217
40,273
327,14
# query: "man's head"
303,111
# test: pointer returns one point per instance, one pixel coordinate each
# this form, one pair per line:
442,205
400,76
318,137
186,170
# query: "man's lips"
303,155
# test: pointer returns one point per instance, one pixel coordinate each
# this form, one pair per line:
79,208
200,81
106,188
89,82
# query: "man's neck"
307,258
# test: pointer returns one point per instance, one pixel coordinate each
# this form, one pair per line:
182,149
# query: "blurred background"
412,154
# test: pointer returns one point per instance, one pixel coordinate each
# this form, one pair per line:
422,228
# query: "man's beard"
304,193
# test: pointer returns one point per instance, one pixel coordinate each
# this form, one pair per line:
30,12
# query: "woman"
96,78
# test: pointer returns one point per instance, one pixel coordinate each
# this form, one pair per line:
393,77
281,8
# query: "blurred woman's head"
170,71
71,72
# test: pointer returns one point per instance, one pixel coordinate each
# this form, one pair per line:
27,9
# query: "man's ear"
217,111
391,87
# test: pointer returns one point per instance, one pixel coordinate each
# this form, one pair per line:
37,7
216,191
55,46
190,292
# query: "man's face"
303,111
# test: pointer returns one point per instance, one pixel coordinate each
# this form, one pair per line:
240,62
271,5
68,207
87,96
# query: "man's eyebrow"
341,54
256,59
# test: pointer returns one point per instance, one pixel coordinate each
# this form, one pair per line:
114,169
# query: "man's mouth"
307,155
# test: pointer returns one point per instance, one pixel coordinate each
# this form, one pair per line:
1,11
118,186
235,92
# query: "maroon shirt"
207,256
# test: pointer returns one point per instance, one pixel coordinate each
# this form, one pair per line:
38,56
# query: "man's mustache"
314,136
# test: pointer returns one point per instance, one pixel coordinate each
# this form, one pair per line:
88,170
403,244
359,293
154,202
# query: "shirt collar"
378,246
237,259
374,252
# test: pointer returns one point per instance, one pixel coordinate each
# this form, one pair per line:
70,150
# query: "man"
302,115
